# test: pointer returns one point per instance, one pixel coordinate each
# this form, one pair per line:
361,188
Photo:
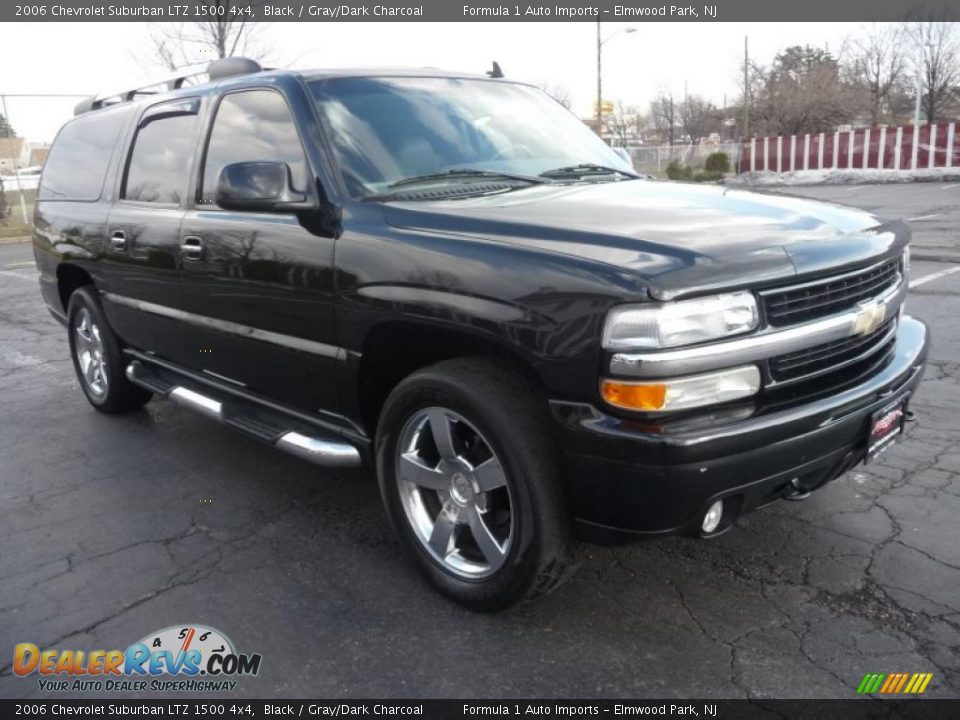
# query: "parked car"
451,280
25,179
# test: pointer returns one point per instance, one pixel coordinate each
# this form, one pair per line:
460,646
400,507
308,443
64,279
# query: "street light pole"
920,64
916,111
601,41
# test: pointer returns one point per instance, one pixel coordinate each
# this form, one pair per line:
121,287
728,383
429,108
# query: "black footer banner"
486,709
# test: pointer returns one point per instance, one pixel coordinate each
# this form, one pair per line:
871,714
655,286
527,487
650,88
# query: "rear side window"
80,156
158,168
252,126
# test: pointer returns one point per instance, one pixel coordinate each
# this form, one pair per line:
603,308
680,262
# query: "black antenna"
496,72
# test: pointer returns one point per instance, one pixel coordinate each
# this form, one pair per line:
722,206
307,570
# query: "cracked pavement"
113,527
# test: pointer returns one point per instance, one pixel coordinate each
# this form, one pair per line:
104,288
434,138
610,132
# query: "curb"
15,240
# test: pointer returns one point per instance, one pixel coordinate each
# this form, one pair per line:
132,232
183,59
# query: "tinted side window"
80,155
160,159
252,126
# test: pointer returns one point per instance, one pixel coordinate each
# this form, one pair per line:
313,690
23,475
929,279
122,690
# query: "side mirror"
624,155
260,187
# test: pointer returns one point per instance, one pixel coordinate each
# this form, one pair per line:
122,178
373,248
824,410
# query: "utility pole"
921,59
746,89
599,83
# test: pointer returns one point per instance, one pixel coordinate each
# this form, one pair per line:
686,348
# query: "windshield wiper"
464,173
586,170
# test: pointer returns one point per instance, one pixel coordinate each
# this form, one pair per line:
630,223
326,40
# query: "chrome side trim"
226,326
322,452
195,401
752,348
218,376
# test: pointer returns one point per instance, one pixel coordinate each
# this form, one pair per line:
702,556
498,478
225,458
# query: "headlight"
682,393
680,323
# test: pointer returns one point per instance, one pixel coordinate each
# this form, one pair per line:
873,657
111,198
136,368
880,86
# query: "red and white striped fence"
880,148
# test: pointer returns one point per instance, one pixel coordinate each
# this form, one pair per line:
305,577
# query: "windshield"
385,130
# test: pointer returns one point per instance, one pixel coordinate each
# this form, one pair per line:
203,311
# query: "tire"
97,356
497,478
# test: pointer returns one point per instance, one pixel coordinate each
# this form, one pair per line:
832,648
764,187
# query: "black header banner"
467,10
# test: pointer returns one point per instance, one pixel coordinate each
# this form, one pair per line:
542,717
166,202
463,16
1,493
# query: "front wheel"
469,478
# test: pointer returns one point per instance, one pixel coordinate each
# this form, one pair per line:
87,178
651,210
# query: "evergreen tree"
6,131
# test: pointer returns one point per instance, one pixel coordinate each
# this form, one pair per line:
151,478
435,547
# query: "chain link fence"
654,160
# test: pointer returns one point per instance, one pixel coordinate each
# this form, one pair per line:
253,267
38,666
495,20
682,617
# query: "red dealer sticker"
885,425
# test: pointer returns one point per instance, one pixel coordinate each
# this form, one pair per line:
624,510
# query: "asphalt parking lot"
112,527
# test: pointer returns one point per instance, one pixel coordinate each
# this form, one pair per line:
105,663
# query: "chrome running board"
267,424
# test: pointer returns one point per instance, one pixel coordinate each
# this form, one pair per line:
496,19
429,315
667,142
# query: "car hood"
683,239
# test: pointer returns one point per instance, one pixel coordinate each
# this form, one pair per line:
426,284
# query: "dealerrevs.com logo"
184,658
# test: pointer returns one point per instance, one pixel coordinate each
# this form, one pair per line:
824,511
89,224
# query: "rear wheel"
97,356
469,478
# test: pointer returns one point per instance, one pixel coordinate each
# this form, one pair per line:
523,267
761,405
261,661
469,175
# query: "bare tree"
623,123
877,65
934,38
558,93
800,92
226,34
698,117
663,111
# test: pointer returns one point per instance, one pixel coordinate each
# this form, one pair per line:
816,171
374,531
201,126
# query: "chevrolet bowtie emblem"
869,318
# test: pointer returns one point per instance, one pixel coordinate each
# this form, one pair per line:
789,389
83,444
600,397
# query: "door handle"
118,240
192,247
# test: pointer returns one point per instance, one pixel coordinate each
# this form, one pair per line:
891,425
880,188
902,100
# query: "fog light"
712,519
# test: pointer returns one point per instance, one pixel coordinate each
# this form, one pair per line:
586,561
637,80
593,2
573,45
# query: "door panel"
263,294
261,288
142,250
145,270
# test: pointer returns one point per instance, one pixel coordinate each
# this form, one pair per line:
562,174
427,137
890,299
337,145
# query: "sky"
699,58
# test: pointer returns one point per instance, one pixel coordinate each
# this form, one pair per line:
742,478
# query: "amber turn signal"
634,396
682,393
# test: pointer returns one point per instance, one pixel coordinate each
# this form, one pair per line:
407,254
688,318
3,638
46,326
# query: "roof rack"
216,70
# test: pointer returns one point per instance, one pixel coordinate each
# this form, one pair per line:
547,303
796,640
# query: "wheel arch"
69,279
394,350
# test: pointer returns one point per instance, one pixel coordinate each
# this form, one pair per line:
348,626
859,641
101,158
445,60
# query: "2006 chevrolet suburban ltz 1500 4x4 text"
451,279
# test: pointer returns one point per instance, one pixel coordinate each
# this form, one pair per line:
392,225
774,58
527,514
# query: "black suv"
452,279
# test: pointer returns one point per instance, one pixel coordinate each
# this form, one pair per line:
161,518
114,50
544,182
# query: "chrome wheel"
88,348
455,493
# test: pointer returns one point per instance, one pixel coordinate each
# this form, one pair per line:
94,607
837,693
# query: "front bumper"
627,480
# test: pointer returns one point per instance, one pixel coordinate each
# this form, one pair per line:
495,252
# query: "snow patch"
843,177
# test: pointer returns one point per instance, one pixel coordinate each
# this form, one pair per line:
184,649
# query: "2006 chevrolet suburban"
453,279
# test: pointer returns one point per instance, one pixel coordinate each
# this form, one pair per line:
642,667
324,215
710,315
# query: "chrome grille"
820,298
832,356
